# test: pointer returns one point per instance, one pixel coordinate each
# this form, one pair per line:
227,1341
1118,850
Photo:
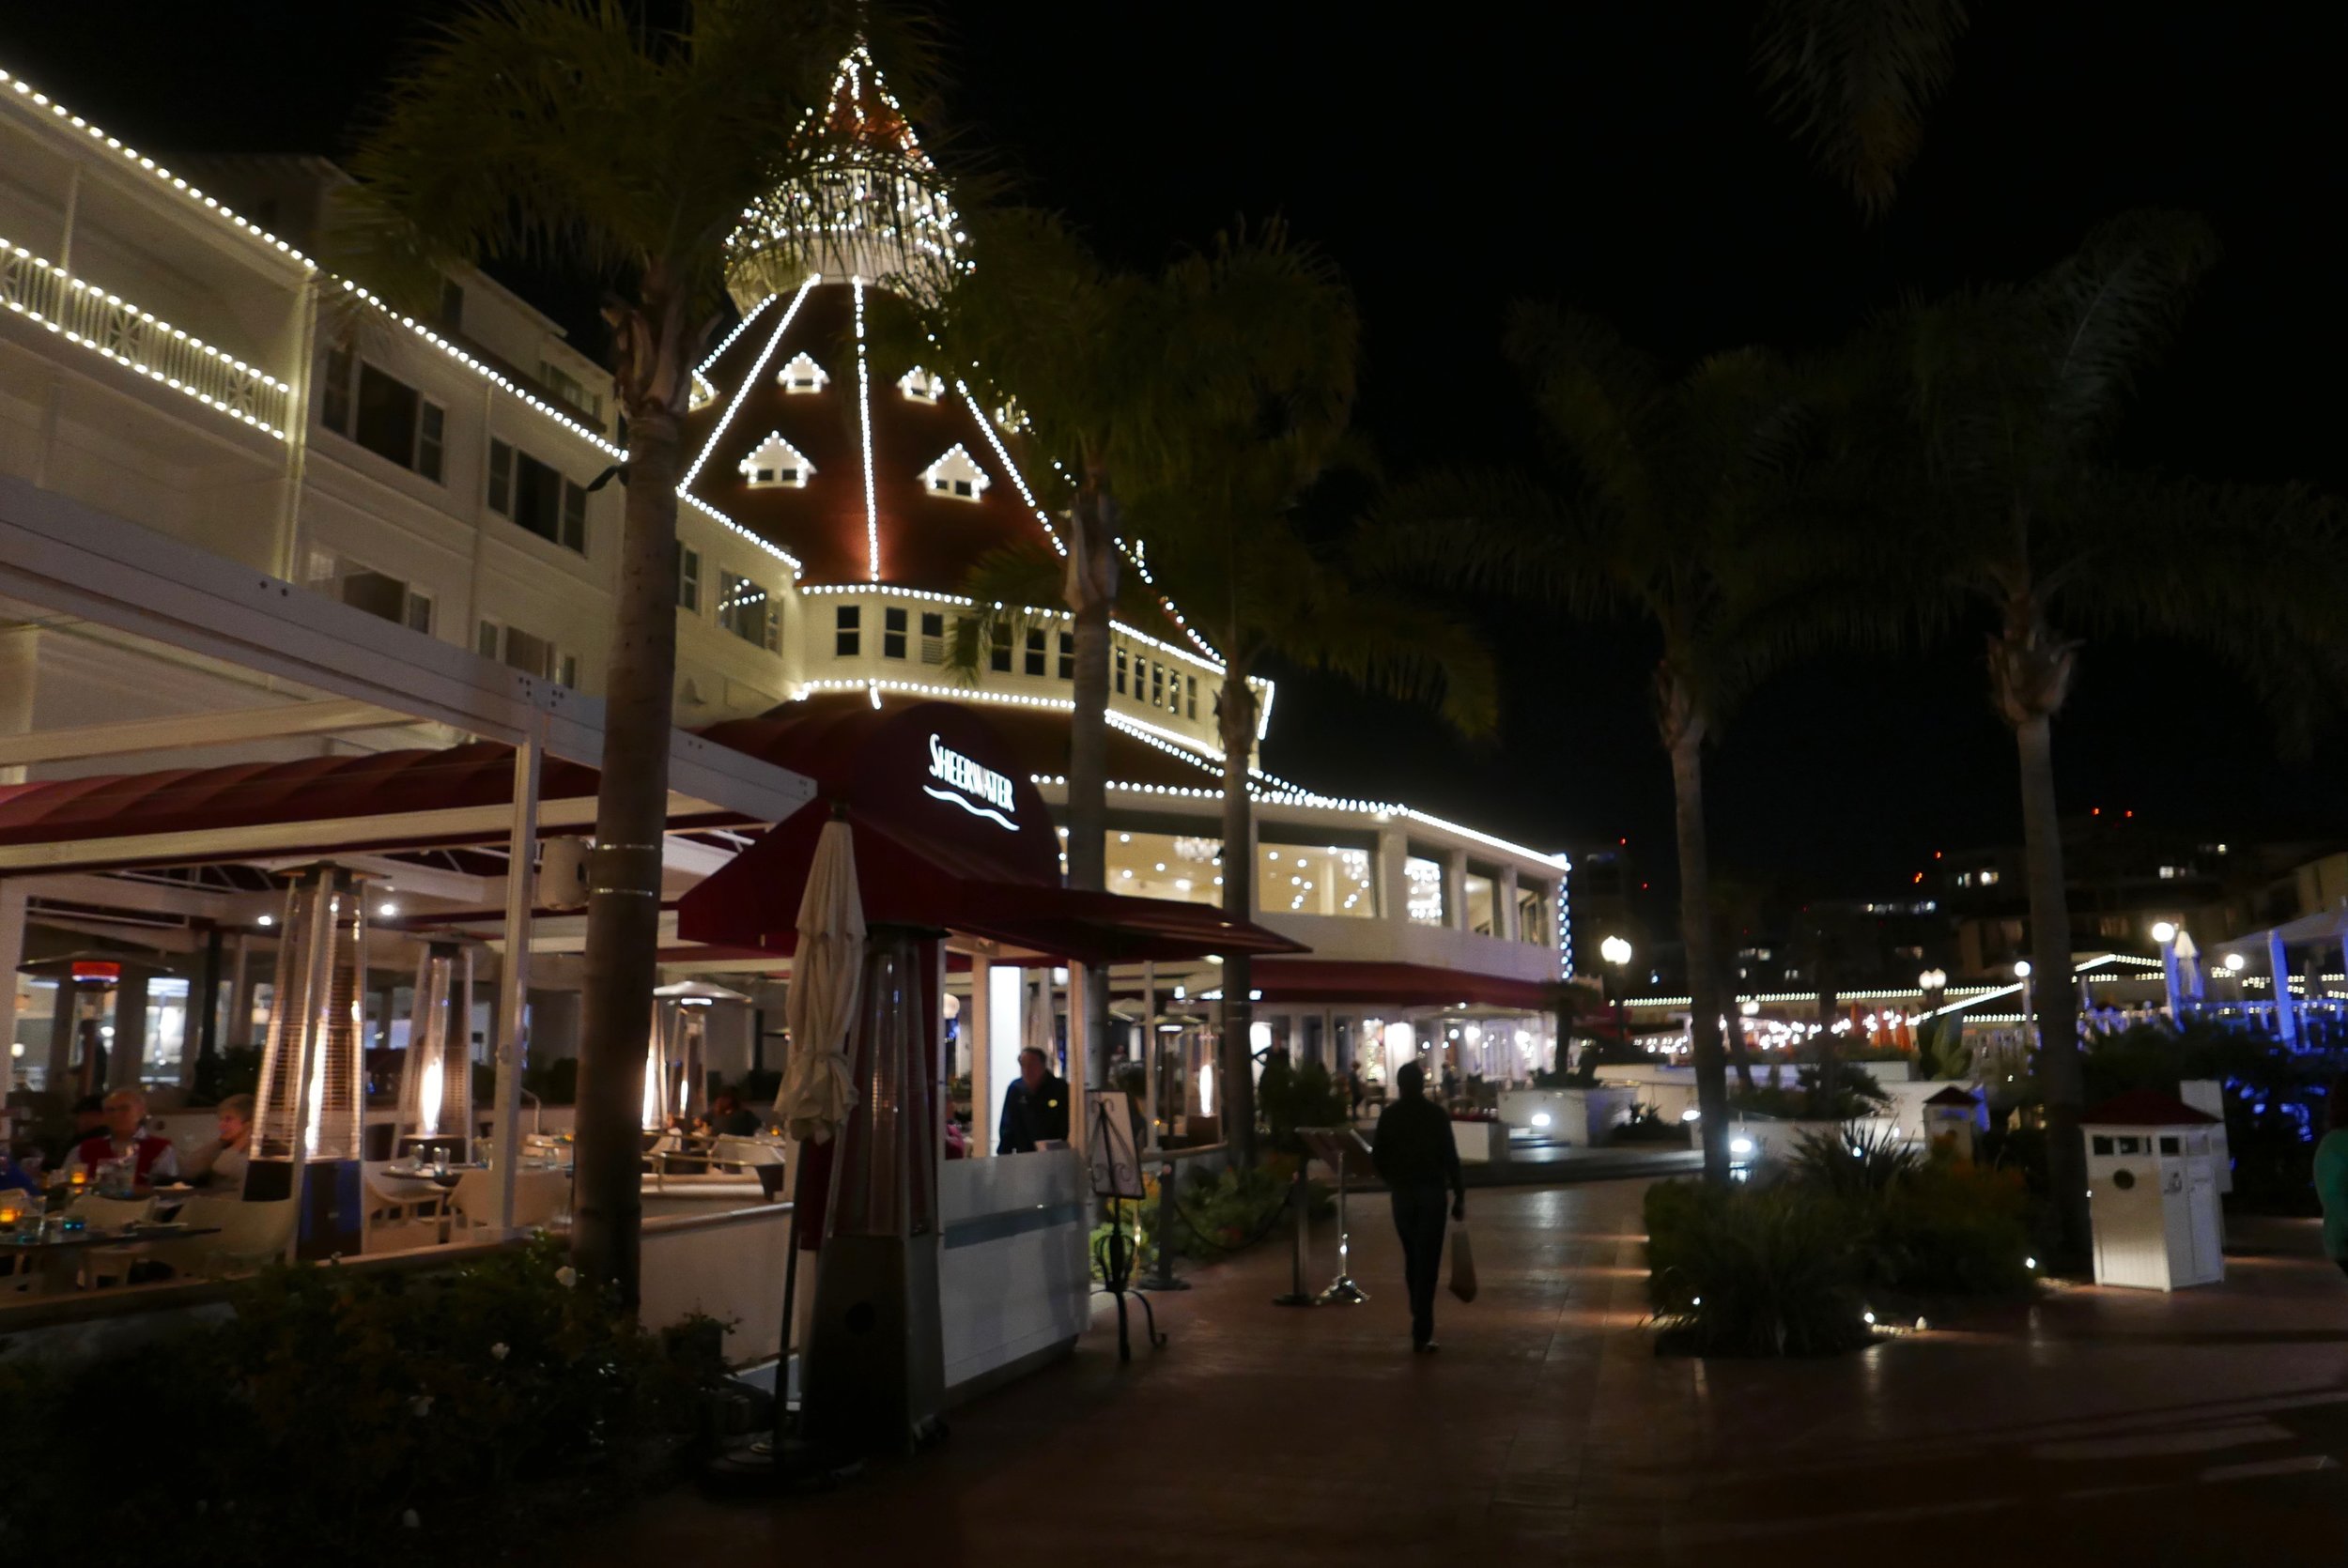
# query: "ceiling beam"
178,731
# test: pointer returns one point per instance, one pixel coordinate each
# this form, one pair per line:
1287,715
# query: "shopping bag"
1462,1262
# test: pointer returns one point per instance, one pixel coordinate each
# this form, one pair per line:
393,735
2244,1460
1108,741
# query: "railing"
106,324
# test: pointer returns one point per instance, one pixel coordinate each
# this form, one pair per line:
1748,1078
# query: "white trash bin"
2151,1178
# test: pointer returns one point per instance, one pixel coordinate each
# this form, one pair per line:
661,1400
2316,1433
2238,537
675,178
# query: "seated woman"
221,1162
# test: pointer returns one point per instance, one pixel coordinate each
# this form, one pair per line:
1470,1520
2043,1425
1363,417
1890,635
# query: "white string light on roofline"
757,539
1134,553
161,174
1018,480
864,422
495,377
740,327
210,352
757,374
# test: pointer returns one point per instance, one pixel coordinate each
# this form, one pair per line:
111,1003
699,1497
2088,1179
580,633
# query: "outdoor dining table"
55,1255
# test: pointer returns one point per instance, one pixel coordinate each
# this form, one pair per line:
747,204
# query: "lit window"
745,609
922,386
1120,670
956,473
776,462
802,374
1331,880
1425,894
1989,876
702,395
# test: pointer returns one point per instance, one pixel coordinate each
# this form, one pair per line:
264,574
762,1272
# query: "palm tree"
1251,349
1681,506
575,134
2021,516
1852,79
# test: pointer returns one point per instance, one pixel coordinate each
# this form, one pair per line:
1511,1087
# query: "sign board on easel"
1109,1146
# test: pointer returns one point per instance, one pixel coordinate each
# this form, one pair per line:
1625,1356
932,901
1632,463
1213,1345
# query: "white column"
514,973
1394,895
1455,913
11,954
1007,1000
1505,905
2286,1013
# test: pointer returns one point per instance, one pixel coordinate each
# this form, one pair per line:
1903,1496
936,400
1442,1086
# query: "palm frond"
2111,309
1852,80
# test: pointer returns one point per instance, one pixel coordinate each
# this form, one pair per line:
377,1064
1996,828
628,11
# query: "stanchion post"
1297,1296
1166,1280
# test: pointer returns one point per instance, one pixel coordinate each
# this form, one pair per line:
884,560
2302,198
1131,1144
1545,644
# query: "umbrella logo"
972,783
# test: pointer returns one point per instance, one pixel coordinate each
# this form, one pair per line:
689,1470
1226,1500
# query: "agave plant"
1853,1161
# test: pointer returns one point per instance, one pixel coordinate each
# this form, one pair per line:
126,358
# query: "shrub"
1856,1095
1646,1126
1949,1229
1754,1271
333,1402
1853,1161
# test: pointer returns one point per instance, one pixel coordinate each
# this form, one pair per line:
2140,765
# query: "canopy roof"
1401,985
948,835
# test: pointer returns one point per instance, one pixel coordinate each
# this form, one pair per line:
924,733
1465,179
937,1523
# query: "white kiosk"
2153,1193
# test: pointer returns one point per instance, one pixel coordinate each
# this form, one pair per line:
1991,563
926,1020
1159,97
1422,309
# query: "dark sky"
1614,157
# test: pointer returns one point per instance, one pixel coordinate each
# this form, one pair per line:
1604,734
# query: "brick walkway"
2094,1427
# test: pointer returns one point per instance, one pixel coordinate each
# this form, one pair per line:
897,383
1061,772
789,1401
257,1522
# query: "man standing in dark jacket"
1417,1158
1035,1108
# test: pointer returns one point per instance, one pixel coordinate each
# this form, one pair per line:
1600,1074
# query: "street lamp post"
2165,933
1615,950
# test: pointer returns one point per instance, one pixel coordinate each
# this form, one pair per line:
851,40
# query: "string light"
1018,480
75,299
495,377
161,175
740,327
757,371
731,526
864,422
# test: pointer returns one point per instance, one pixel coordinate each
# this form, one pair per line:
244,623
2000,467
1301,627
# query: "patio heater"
676,1076
436,1112
307,1115
874,1367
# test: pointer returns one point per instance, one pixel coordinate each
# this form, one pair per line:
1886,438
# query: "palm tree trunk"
624,897
1235,715
2053,989
1092,591
1684,734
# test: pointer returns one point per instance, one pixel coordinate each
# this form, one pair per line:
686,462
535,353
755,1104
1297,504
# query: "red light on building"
93,970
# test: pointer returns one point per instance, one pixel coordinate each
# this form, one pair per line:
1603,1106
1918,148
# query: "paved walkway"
2095,1427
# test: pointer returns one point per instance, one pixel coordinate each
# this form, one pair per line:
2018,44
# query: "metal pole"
514,973
1150,1053
1298,1296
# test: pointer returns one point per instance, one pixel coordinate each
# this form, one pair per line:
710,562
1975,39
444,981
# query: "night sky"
1614,157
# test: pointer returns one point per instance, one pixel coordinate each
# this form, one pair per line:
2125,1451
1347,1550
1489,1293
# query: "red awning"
946,837
1402,984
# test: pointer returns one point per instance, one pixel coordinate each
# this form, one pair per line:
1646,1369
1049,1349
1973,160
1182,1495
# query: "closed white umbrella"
825,975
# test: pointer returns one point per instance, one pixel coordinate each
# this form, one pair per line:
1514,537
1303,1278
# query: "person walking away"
2331,1174
1417,1158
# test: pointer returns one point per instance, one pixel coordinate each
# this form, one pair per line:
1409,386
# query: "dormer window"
702,395
776,462
802,374
922,386
955,474
1012,418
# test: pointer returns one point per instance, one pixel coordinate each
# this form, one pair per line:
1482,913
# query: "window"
518,649
1532,916
776,462
745,609
922,386
999,649
567,671
689,580
1423,880
1483,909
892,632
1035,660
1165,866
1067,656
382,413
537,497
387,597
1315,879
847,631
933,636
1120,671
955,473
1157,684
802,374
1989,876
1190,690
